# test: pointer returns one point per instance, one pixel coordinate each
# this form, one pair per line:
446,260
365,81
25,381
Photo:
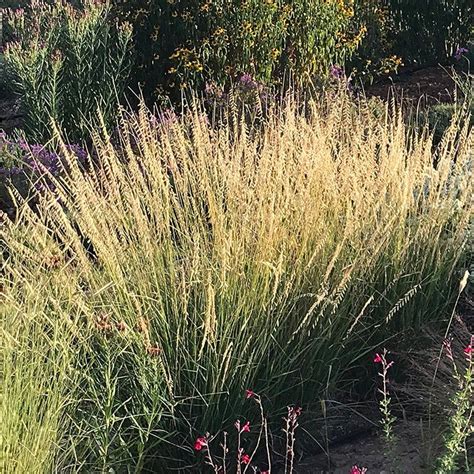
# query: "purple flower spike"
459,53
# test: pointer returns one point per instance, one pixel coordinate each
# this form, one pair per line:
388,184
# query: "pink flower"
246,427
358,470
245,459
377,359
468,350
249,394
297,411
200,443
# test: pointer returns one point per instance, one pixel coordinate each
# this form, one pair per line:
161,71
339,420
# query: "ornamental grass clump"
195,259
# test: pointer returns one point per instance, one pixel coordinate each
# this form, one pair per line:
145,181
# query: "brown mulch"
431,85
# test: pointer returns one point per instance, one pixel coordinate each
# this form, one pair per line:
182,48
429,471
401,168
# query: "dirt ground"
411,453
418,442
430,85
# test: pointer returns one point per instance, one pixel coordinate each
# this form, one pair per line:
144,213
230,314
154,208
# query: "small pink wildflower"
377,359
249,394
245,459
358,470
296,411
468,350
246,427
200,443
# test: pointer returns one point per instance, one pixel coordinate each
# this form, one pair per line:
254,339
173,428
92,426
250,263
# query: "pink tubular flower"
245,459
200,443
377,359
358,470
297,411
468,350
249,394
246,427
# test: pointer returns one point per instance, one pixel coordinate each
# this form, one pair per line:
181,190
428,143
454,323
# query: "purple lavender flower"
459,53
337,72
15,170
248,82
17,156
78,151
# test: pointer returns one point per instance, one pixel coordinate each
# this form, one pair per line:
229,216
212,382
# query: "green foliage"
429,32
3,79
460,424
66,63
404,32
183,44
375,54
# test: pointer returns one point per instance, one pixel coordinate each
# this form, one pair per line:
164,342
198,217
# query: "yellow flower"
219,32
205,7
172,70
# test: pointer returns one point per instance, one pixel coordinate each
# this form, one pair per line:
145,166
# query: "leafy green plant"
375,55
387,421
183,45
66,63
460,426
430,32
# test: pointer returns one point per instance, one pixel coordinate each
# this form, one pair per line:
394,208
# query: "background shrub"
429,32
375,55
183,44
66,63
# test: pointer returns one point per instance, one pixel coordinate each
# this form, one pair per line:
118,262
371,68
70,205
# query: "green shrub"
430,32
184,44
403,32
375,54
66,63
220,259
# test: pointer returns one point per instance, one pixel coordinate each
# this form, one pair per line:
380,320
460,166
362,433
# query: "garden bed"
423,86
